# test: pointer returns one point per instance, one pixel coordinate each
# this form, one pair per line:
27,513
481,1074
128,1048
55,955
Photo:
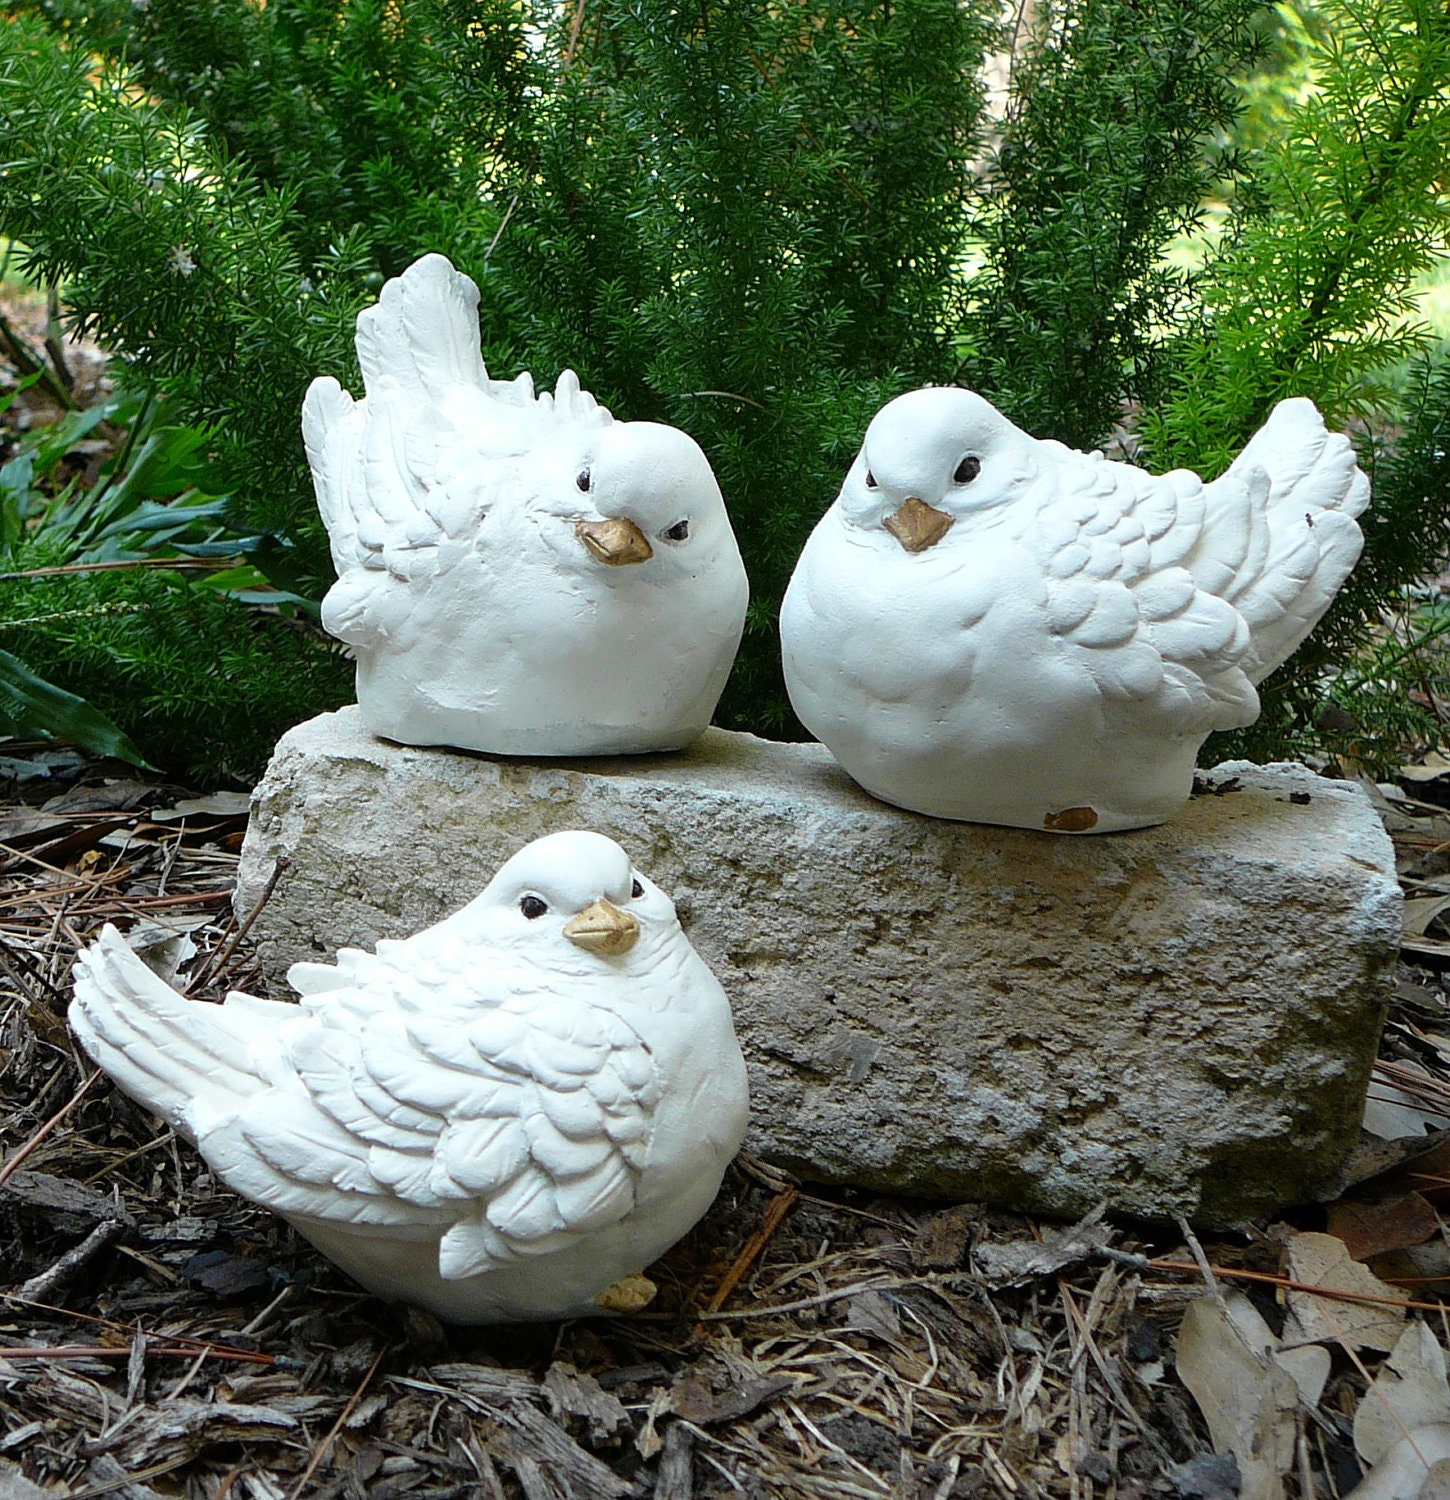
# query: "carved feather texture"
1089,622
486,1082
517,573
386,469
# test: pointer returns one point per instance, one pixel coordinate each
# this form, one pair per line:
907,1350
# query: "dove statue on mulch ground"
517,574
506,1117
992,627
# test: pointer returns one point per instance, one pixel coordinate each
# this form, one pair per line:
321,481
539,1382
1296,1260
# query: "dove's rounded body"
518,575
497,1120
991,628
525,644
955,702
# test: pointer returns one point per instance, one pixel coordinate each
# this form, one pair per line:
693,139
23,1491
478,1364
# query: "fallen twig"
1288,1284
49,1281
183,1349
321,1451
775,1213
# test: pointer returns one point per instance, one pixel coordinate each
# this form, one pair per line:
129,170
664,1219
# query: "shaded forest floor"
160,1337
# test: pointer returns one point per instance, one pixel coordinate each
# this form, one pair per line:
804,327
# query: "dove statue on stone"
517,574
992,627
506,1117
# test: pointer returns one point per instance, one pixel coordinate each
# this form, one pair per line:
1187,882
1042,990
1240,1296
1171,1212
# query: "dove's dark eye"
532,907
870,480
967,471
636,890
584,480
678,532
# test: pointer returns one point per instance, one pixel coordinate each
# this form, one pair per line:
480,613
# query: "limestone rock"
1181,1018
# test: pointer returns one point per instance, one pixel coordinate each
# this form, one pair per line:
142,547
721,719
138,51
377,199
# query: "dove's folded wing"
393,518
512,1132
1130,568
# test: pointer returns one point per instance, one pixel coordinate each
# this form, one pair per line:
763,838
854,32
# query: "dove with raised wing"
996,628
506,1117
517,574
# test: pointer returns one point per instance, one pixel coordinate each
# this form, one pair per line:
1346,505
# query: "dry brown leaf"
870,1312
221,805
1425,1267
1308,1364
1432,768
1323,1260
1428,1173
1421,911
23,825
1248,1401
1402,1473
1385,1224
109,796
1392,1113
1409,1391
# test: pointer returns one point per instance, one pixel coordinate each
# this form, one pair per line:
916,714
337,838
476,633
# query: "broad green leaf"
31,705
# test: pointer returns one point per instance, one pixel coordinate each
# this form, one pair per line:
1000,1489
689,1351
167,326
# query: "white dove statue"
517,574
996,628
504,1118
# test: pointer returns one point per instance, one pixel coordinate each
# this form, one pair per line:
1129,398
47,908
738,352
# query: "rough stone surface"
1175,1019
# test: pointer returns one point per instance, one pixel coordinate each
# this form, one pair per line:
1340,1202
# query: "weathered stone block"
1178,1018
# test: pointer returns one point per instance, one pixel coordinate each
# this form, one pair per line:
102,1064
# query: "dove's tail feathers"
422,334
1312,489
171,1054
332,432
1309,468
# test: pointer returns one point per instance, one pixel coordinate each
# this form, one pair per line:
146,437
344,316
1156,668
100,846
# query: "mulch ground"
160,1337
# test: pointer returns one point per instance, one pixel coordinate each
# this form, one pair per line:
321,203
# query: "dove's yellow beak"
615,541
917,525
603,928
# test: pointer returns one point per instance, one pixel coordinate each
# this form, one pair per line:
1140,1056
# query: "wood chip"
571,1394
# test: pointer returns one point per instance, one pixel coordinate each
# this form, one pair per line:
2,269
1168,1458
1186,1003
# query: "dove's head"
932,458
640,501
573,903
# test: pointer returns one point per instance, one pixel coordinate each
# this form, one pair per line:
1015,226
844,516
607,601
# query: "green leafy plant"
1309,292
114,588
757,222
1116,134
